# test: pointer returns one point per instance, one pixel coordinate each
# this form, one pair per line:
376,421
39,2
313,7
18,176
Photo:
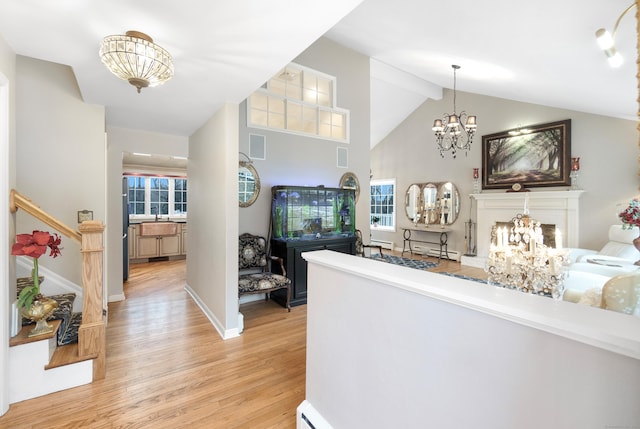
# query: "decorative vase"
636,242
39,312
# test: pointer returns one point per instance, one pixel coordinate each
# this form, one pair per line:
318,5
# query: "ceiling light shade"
607,41
135,58
614,58
604,39
453,136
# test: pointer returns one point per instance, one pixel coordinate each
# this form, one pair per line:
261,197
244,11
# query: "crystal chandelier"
450,133
518,259
135,58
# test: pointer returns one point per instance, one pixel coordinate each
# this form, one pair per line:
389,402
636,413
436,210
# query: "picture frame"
527,157
85,215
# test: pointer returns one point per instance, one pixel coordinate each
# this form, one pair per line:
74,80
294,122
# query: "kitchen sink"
158,228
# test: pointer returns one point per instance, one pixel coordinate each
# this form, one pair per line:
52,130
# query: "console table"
406,235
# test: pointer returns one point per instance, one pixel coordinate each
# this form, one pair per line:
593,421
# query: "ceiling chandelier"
450,133
607,41
135,58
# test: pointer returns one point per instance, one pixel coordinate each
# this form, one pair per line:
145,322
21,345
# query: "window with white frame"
383,204
180,196
153,195
299,100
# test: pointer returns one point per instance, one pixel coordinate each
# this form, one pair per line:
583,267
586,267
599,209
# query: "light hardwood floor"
167,367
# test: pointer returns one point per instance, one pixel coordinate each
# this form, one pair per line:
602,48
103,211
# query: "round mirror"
412,203
350,181
248,184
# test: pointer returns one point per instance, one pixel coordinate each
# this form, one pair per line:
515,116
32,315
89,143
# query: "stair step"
23,335
67,355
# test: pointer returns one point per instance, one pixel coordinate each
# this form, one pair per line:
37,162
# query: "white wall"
60,154
212,248
607,147
306,161
7,221
394,347
120,140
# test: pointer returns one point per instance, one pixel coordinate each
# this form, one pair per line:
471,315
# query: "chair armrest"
281,263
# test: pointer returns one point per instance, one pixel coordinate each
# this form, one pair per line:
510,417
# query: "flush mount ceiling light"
607,41
451,135
135,58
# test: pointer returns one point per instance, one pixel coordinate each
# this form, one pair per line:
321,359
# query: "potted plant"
375,220
630,218
32,303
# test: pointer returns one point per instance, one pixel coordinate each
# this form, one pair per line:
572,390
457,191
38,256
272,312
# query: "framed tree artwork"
532,156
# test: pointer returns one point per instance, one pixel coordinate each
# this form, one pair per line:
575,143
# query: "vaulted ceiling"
540,52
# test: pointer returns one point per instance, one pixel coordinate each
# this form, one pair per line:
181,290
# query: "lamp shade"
453,120
471,122
135,58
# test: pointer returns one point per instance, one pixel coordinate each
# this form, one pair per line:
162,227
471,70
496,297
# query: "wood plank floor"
167,367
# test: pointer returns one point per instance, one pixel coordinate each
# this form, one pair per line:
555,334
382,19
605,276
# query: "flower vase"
40,310
636,242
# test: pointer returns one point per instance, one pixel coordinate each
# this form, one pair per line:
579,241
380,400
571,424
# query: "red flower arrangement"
34,245
630,216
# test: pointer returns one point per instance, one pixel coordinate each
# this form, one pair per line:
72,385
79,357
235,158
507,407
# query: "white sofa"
589,270
619,248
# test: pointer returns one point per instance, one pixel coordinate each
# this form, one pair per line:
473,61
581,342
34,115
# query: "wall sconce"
607,41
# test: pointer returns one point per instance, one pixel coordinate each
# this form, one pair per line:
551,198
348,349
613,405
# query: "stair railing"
91,333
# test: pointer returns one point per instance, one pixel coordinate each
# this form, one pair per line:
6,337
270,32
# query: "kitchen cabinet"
183,241
151,247
143,247
132,234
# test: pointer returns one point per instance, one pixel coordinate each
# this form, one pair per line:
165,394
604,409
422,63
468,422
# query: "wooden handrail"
91,332
17,200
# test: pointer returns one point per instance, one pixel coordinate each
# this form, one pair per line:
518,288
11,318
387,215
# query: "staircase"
39,366
74,354
48,363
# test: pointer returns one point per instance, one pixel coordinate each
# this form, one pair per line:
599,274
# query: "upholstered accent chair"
360,246
254,265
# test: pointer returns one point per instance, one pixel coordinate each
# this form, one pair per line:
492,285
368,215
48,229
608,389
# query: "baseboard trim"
117,297
224,333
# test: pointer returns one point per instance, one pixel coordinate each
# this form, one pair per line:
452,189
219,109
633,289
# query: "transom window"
383,204
151,195
299,100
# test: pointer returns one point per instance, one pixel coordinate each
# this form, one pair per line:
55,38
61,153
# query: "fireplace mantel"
556,207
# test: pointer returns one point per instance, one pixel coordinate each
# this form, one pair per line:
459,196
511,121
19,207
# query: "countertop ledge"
615,332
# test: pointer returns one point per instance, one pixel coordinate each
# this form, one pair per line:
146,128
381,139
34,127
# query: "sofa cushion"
620,250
